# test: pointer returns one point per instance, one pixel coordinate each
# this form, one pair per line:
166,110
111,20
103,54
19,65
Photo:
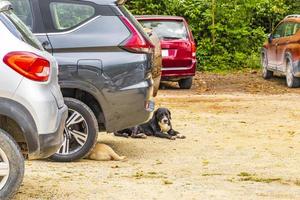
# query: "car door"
272,50
282,45
63,19
84,36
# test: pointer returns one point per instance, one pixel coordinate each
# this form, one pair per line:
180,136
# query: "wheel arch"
287,54
264,53
288,58
87,95
18,122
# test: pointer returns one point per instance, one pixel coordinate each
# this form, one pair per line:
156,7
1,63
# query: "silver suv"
32,110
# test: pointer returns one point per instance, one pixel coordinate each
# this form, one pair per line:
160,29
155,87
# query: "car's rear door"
62,17
272,49
85,39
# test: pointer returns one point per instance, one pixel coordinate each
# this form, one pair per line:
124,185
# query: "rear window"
69,15
167,29
20,30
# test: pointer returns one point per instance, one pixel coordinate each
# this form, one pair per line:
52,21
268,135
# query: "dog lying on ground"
159,126
103,152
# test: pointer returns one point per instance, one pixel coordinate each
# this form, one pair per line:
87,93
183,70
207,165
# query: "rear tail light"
194,49
29,65
136,42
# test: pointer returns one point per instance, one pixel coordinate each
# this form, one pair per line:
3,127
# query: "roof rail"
292,16
5,5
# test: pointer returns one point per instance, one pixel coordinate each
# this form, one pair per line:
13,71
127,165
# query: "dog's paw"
179,136
123,158
126,135
139,135
143,136
172,138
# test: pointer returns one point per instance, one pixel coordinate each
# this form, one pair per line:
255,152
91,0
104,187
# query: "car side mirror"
270,38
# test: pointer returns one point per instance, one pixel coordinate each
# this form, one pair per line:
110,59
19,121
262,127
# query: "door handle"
45,44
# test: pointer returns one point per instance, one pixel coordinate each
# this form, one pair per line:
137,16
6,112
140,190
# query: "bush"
235,38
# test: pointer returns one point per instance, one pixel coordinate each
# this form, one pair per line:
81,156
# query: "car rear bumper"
177,73
134,106
49,143
156,85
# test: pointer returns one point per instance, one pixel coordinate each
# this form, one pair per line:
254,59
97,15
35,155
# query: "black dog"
159,126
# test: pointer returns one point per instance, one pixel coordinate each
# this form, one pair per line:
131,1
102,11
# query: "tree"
229,34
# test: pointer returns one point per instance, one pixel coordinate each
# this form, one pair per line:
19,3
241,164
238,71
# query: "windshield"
167,29
24,33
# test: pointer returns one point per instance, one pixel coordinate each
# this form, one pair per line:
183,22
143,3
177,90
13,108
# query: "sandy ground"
242,142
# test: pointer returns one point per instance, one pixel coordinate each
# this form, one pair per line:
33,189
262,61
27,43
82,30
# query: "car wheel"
267,74
186,83
80,134
291,80
11,166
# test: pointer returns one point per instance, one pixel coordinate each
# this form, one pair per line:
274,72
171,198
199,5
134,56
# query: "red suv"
281,53
178,48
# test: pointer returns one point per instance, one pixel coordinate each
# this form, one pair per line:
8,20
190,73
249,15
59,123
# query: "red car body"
178,48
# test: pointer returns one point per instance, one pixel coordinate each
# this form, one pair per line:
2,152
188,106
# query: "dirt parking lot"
243,137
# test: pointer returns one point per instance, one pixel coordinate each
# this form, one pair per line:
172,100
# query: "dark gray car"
104,62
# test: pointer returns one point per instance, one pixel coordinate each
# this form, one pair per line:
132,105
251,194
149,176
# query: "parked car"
105,62
178,47
157,60
32,110
281,53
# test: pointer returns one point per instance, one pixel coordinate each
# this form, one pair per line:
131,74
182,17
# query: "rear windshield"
20,30
167,29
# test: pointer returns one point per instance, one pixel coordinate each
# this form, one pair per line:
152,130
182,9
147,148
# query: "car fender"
288,57
23,118
89,88
295,64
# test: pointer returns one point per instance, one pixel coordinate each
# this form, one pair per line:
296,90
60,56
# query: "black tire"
89,125
291,80
186,83
11,151
266,73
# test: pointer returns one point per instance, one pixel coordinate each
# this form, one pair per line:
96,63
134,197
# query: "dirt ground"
242,142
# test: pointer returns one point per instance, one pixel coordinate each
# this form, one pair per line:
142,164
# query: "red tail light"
136,42
28,65
194,49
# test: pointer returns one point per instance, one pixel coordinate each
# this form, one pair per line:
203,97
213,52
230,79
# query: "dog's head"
163,116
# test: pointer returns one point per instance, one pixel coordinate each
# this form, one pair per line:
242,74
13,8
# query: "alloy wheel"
75,133
4,169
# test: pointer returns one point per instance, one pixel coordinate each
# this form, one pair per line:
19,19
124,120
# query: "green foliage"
235,39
